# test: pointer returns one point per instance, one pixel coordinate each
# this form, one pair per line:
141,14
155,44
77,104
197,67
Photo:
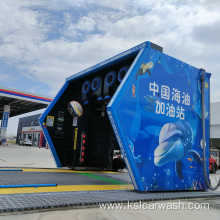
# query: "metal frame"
44,129
16,94
114,117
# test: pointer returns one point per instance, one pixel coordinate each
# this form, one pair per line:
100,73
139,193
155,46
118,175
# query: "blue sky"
44,42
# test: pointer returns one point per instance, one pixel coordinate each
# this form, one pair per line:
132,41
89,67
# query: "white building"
215,125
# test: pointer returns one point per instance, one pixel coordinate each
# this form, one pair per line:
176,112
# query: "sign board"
34,128
157,118
4,123
50,121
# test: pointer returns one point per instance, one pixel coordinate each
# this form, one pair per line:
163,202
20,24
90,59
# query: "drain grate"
21,202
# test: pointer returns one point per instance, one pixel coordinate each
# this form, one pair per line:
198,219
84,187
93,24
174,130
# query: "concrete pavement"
23,156
14,155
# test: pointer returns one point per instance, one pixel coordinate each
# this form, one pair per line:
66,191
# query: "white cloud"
86,24
53,5
74,30
91,31
49,48
20,31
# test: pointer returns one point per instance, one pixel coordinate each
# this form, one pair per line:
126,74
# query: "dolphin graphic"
175,142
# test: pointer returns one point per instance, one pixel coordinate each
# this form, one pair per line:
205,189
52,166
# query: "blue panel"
44,129
156,116
5,120
113,115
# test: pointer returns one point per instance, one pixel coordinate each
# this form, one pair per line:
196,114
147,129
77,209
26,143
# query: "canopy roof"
22,102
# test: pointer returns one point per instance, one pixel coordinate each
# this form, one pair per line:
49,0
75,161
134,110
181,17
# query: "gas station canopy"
14,102
21,102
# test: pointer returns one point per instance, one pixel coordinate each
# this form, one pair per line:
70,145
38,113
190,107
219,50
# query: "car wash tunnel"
140,109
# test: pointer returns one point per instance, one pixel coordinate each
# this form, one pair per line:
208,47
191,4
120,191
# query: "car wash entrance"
81,131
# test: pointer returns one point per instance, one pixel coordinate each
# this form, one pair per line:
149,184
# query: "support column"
41,139
4,123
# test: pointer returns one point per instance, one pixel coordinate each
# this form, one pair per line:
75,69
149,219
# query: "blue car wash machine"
151,106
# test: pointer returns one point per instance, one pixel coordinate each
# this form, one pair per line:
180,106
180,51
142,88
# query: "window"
36,122
26,123
32,122
30,137
22,124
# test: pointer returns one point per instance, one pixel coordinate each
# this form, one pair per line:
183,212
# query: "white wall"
215,120
215,113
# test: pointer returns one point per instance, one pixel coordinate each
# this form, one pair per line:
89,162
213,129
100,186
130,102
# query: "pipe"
30,185
122,72
86,87
110,78
203,133
95,84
